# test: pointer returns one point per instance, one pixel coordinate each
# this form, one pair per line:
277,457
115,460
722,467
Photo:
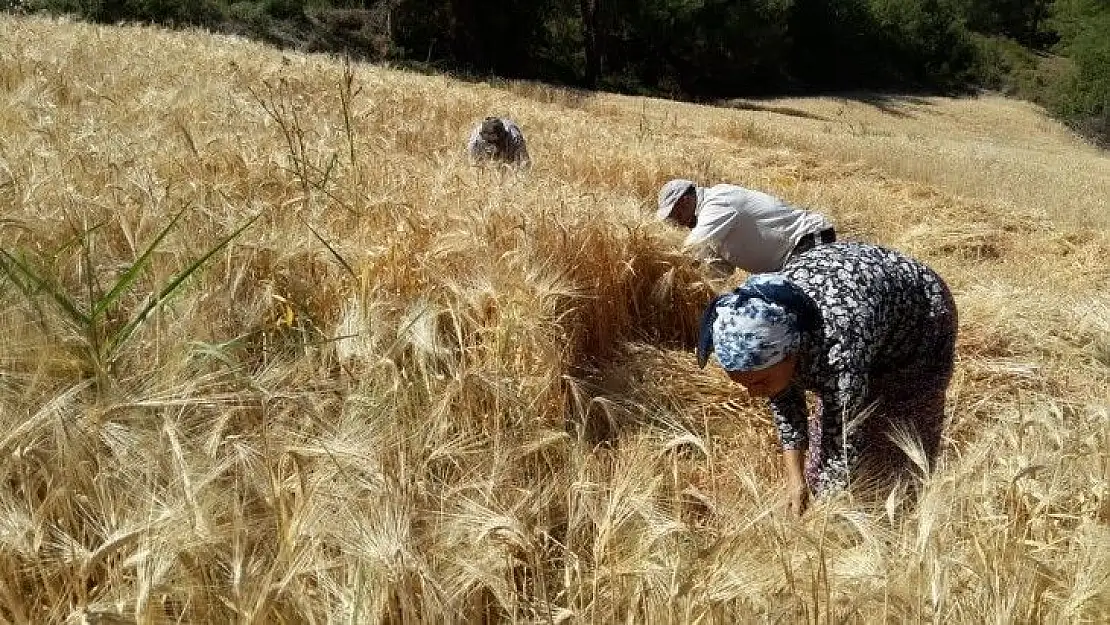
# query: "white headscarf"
750,333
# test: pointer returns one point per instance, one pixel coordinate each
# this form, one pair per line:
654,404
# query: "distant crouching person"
872,333
498,140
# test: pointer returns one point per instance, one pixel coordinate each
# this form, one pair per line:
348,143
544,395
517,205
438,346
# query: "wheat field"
271,351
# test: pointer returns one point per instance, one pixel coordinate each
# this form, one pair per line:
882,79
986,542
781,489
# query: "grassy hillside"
403,389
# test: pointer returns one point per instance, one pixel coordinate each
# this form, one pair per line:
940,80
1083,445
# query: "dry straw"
408,390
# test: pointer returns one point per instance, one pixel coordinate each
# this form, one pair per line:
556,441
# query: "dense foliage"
1084,94
695,48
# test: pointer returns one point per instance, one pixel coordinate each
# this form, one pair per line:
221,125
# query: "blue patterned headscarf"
757,325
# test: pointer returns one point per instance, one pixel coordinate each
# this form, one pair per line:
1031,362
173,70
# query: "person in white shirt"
746,229
498,139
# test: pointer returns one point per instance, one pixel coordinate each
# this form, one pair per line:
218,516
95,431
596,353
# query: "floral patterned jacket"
882,312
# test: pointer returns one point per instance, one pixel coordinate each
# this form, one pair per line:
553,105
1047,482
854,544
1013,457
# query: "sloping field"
402,389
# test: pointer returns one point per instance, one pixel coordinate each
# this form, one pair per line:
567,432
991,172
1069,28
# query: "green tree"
1083,96
504,37
834,43
926,41
687,47
1024,21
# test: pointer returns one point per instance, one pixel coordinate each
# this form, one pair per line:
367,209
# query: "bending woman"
871,332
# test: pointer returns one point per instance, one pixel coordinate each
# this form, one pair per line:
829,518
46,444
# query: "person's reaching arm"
797,491
520,149
715,219
792,421
475,147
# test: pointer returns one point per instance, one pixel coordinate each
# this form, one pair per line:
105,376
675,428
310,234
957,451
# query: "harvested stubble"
416,391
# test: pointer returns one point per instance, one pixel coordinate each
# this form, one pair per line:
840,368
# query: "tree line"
1055,52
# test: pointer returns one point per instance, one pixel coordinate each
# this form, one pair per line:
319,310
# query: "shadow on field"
747,105
895,104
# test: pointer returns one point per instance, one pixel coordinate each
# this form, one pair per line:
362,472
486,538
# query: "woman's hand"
797,497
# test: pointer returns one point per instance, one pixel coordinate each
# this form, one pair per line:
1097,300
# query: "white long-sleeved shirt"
748,229
515,153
